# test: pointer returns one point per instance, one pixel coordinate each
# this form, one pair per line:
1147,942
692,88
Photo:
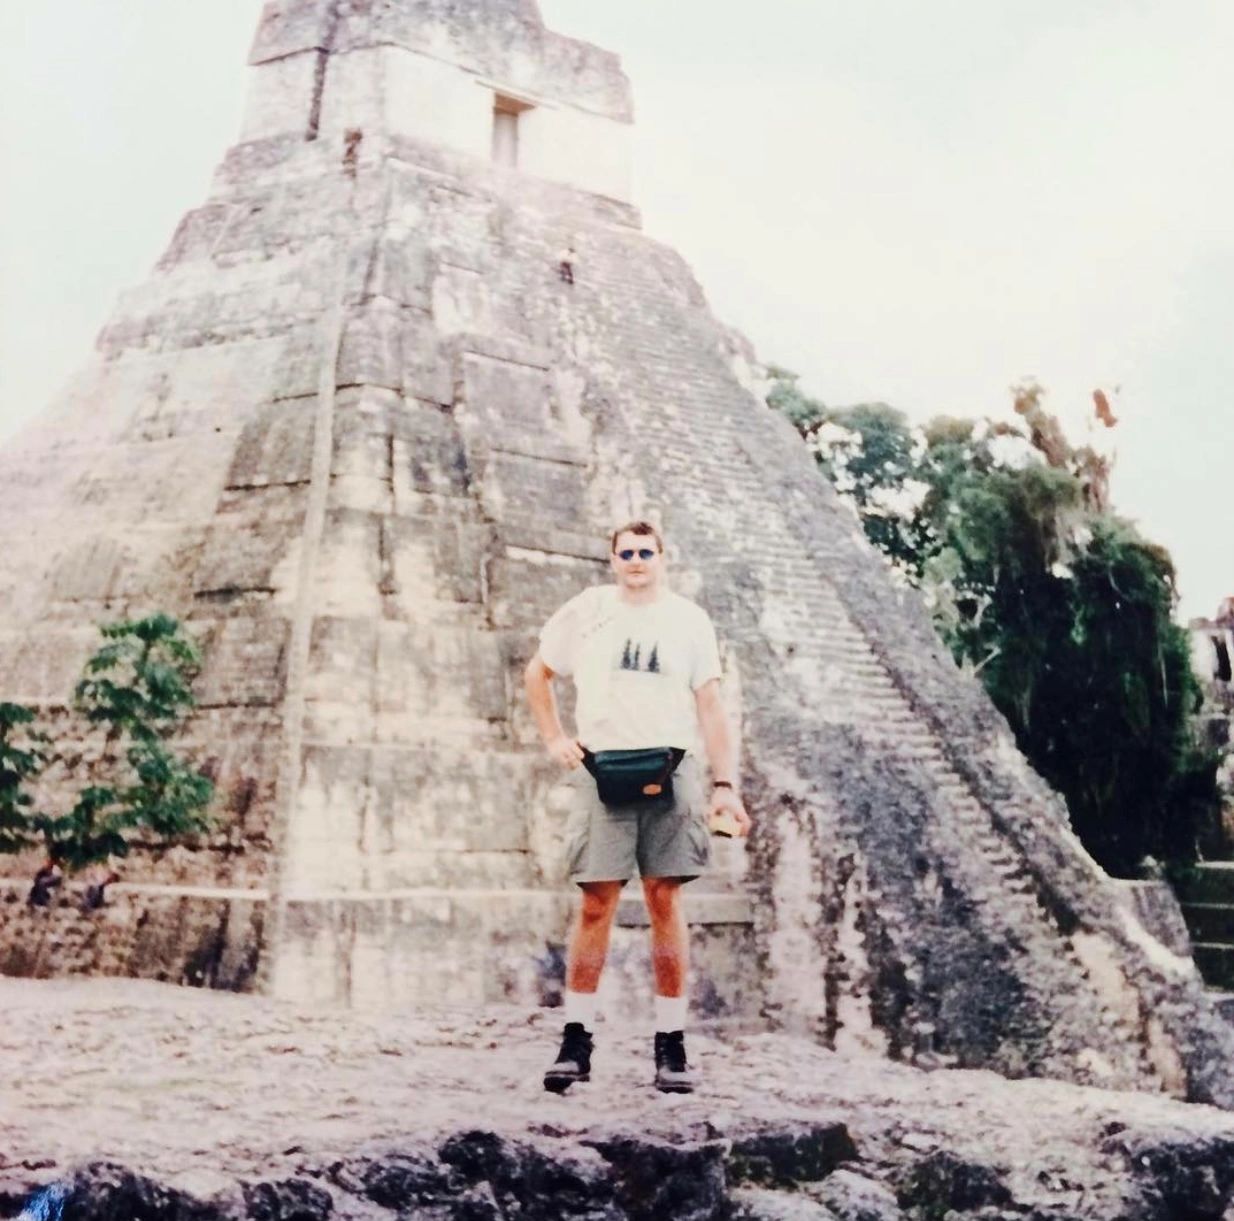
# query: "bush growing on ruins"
1060,607
23,755
136,689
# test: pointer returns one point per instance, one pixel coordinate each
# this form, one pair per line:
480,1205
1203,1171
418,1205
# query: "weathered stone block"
850,1194
428,366
159,941
341,679
534,494
428,455
1154,906
297,373
451,871
433,564
245,661
254,542
391,269
43,665
146,480
352,569
430,948
326,841
450,798
276,158
361,446
288,26
281,96
509,43
460,298
206,394
431,672
196,235
240,749
363,421
93,570
525,587
372,348
426,817
254,224
276,446
507,396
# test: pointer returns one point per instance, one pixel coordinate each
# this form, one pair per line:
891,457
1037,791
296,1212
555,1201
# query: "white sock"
670,1013
581,1007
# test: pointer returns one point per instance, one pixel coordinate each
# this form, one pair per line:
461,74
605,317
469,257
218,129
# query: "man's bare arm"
717,736
538,682
721,749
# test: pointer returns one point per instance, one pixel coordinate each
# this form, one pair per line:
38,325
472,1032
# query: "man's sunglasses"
643,553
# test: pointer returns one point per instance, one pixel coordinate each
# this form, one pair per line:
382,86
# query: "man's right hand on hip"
566,751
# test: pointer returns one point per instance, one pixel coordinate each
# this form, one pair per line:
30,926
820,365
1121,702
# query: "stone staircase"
1207,899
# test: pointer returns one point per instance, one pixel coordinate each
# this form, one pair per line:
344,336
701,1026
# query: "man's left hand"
726,807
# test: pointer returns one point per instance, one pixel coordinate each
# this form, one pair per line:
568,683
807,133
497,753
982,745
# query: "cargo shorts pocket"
575,841
700,841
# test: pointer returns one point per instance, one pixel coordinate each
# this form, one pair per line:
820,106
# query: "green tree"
1060,606
23,756
136,690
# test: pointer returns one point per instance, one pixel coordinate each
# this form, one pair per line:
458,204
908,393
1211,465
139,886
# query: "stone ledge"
700,909
197,936
117,889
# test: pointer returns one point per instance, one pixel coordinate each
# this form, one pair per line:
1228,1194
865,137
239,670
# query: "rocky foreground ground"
133,1101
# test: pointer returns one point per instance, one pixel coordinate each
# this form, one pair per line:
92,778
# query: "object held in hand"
724,823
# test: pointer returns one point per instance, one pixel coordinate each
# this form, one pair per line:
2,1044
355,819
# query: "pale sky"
915,203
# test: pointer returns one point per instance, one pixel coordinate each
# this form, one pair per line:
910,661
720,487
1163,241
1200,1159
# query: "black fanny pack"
626,776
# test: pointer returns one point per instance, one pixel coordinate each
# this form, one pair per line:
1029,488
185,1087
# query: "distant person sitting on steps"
48,879
646,668
567,261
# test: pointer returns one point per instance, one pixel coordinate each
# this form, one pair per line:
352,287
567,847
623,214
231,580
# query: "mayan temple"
361,437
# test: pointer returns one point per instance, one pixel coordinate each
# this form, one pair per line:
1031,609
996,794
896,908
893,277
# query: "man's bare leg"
670,941
670,961
589,940
584,965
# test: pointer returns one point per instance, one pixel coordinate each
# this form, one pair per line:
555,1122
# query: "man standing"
646,670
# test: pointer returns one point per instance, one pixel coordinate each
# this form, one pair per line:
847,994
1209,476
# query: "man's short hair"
636,527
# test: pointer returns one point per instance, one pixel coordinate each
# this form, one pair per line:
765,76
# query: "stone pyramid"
358,434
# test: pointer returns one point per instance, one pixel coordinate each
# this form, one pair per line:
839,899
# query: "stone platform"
209,1105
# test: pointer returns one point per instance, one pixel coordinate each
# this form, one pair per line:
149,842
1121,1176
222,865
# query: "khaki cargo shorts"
661,838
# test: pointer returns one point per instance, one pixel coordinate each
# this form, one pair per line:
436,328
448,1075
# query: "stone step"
382,953
1210,922
1215,963
700,908
1210,882
1223,1002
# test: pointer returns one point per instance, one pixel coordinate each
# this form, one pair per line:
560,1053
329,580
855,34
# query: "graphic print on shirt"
634,658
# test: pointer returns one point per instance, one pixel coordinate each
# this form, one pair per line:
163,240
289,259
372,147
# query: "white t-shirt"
635,667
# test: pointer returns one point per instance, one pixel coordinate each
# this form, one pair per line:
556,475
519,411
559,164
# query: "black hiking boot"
673,1074
573,1061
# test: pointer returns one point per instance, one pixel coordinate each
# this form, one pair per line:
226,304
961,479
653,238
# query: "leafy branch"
137,688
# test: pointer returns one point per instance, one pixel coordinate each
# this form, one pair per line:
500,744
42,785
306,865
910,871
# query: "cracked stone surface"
147,1097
